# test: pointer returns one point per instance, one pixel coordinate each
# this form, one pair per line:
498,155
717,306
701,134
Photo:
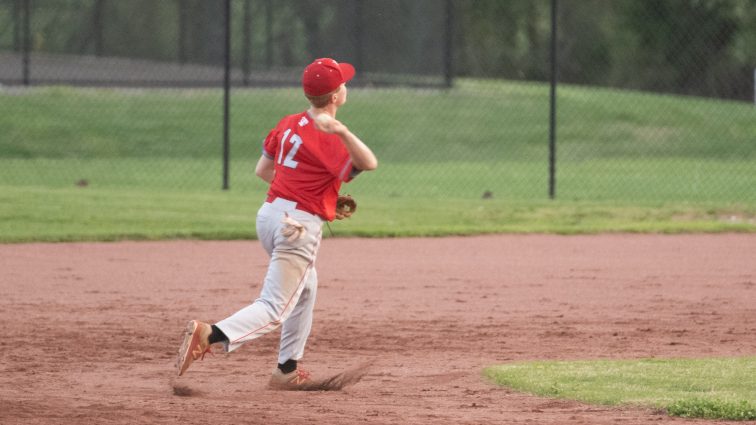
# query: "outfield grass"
151,161
716,388
77,214
476,121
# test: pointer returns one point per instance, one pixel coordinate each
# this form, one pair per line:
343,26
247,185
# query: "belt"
286,204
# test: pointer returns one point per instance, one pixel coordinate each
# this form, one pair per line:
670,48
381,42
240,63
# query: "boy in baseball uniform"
305,159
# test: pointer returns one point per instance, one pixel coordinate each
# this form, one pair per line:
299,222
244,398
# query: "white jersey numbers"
289,160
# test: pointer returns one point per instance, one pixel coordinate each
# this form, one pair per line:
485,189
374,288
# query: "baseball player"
305,159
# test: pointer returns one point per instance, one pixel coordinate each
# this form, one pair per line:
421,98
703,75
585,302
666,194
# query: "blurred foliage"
697,47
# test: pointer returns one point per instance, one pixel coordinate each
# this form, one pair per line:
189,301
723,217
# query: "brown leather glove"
345,207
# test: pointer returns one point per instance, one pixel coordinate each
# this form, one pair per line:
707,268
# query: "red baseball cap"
325,75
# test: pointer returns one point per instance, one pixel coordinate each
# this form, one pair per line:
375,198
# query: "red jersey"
310,165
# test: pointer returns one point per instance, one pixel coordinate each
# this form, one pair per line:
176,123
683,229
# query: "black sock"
217,336
288,366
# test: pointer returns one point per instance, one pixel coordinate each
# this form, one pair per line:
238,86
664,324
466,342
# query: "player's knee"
275,310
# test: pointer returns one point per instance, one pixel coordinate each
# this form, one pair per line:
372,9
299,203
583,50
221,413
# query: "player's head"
323,82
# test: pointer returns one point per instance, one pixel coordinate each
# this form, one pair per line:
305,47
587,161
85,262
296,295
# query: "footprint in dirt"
183,391
338,381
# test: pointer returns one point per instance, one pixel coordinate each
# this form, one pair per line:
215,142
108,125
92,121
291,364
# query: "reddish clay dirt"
90,331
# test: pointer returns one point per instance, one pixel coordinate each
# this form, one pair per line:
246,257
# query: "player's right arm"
265,169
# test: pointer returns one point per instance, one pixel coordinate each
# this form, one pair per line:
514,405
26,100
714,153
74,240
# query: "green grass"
715,388
40,214
91,213
628,162
651,181
476,121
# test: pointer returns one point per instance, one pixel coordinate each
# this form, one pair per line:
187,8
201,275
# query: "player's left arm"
265,169
362,157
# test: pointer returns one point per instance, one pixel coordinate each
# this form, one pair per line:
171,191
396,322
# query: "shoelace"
202,356
302,376
207,351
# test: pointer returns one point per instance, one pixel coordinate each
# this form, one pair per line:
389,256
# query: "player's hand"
328,124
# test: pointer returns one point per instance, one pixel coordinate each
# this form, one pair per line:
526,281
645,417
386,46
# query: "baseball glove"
345,207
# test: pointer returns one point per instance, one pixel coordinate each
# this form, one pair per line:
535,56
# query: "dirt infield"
90,331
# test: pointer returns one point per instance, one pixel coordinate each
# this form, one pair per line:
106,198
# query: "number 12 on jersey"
295,140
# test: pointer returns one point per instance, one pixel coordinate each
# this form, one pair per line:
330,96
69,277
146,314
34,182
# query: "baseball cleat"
195,345
298,380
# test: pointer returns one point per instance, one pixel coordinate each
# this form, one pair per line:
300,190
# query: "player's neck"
329,109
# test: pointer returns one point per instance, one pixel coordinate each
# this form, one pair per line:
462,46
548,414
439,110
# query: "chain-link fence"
673,81
654,102
181,42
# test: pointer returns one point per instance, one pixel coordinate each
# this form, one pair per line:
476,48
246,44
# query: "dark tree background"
696,47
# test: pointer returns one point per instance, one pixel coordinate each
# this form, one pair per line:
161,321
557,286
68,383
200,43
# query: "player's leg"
287,276
280,288
283,286
296,329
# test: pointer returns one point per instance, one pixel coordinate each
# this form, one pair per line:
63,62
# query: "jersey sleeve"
336,159
270,144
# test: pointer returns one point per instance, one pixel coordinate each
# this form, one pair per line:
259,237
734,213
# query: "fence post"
449,44
247,42
226,88
181,31
97,27
26,42
268,34
552,102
